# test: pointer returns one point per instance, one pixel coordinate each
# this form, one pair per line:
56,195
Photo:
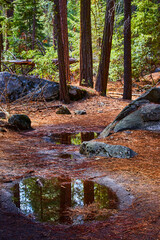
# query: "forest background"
28,32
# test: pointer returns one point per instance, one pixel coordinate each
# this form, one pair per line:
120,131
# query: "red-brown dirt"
140,176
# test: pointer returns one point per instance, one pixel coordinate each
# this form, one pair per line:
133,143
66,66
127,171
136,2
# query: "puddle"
65,201
71,138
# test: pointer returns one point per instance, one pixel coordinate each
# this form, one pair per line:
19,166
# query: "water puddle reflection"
65,201
71,138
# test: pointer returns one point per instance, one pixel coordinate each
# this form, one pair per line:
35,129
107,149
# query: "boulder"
150,112
92,148
20,122
13,87
142,113
76,93
63,110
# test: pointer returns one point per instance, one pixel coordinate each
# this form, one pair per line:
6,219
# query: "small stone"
101,104
2,129
80,112
2,115
20,122
63,110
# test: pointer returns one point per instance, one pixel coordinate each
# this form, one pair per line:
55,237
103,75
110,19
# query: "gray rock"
80,112
150,112
63,110
139,114
92,148
132,121
140,119
76,93
20,122
13,87
153,95
2,115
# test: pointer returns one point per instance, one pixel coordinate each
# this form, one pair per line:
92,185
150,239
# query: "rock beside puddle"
142,113
93,148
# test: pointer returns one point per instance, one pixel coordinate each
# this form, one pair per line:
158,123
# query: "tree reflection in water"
71,138
52,199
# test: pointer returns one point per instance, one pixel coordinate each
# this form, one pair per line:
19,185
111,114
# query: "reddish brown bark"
127,91
103,70
86,63
34,26
64,96
64,29
1,48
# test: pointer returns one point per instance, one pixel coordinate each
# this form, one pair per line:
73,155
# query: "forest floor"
21,156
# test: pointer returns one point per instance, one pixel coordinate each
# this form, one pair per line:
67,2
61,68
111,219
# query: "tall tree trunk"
64,96
86,62
34,26
103,69
64,29
127,91
9,14
1,47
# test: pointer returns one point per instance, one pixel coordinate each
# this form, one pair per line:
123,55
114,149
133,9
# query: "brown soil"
20,157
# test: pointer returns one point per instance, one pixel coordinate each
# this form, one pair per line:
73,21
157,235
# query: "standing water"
65,201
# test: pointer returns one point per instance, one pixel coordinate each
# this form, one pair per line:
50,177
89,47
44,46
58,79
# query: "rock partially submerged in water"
93,148
20,122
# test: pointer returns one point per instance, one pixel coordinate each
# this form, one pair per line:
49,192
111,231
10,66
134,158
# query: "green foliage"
145,40
24,12
98,9
145,35
44,64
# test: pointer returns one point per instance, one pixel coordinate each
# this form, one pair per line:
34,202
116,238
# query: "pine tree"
127,91
103,70
86,62
64,96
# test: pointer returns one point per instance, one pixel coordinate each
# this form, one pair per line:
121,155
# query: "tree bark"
86,62
1,47
9,14
64,29
127,91
103,69
34,26
64,96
